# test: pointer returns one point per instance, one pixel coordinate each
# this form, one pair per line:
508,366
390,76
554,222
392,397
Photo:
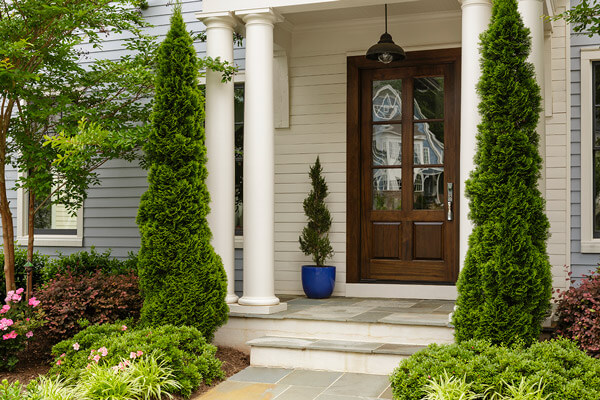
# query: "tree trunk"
8,231
30,225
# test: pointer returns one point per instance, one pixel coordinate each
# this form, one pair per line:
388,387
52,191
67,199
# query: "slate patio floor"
258,383
355,309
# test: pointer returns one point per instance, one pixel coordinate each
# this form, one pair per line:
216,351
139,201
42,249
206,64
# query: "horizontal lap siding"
556,154
581,263
317,127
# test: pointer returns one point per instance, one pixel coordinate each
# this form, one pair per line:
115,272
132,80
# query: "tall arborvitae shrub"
505,285
314,240
182,279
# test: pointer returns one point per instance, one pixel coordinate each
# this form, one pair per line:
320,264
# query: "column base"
244,309
258,301
231,299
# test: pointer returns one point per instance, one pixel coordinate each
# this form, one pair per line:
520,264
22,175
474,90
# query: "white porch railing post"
475,19
220,131
259,161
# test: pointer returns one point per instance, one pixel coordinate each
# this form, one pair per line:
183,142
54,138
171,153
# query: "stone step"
329,355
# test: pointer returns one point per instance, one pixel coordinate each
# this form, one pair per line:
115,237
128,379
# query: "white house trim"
220,144
476,15
588,243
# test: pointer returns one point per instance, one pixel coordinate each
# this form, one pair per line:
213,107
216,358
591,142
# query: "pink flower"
4,309
123,328
96,357
11,335
29,334
139,353
5,323
132,355
20,290
34,302
76,346
103,351
62,355
16,298
58,362
27,319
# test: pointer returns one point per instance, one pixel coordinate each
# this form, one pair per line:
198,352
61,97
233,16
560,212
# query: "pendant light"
386,50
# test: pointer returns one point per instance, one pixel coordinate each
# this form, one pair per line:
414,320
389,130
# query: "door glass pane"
428,188
429,97
428,143
387,188
387,144
387,100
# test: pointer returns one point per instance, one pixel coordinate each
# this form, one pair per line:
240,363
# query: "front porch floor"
363,310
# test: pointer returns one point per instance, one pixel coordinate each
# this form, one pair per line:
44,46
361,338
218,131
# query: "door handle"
450,196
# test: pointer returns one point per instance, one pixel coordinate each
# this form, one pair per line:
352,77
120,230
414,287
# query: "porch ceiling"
372,11
334,9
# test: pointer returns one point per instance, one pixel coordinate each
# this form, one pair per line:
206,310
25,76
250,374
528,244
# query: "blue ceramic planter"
318,282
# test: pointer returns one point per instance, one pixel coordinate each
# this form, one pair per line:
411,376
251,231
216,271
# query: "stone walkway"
257,383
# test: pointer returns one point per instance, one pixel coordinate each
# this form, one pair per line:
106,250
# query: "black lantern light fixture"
386,50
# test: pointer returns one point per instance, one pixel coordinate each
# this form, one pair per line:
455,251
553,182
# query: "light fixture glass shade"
386,50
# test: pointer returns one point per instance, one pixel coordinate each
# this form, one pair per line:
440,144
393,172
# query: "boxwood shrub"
183,349
567,372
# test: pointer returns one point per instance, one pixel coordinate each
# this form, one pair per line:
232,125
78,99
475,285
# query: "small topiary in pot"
318,280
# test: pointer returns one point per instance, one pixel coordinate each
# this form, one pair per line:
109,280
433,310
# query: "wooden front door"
406,170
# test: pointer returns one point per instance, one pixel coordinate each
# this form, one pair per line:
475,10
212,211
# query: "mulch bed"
35,361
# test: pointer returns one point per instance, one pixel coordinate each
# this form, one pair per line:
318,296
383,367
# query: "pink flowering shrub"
579,314
98,298
18,320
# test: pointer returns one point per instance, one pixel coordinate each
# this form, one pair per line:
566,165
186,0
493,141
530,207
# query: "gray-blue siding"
111,207
581,263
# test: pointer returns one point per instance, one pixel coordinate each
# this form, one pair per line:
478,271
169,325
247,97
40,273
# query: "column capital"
223,19
260,16
466,3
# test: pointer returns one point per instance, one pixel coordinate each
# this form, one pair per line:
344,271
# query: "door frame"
353,154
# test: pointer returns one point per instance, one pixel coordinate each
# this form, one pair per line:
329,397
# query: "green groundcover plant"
567,373
183,350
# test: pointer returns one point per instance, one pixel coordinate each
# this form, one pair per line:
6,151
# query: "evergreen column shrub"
181,277
505,285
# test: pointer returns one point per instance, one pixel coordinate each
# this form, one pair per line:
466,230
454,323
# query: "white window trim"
45,239
589,244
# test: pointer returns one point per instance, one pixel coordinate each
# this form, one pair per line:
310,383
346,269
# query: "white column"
259,161
532,12
220,131
475,19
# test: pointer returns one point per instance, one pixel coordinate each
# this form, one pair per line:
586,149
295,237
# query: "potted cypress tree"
318,280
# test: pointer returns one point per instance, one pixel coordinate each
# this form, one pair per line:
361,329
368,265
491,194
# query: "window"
590,150
239,158
53,225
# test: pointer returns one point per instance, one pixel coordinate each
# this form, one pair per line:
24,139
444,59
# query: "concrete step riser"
239,330
339,361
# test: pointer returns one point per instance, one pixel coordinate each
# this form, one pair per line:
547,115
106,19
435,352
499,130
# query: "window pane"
387,144
596,67
54,219
596,193
239,158
387,188
429,97
428,188
387,100
428,143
